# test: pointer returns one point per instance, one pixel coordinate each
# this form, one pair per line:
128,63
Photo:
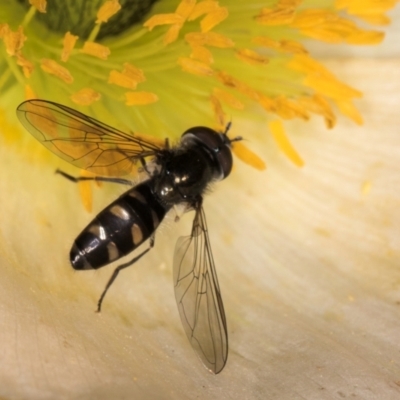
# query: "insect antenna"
225,133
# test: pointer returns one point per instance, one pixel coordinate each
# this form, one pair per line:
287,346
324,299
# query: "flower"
307,261
231,60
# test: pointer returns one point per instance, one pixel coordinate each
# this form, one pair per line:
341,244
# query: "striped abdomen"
118,229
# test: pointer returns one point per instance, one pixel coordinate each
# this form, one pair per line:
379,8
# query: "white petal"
308,265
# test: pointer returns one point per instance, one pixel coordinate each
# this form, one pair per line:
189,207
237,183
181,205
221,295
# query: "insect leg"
94,178
144,166
118,269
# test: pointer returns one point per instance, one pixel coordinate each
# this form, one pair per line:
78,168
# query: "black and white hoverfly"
176,176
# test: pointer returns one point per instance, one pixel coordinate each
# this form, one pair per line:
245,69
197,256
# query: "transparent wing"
198,296
83,141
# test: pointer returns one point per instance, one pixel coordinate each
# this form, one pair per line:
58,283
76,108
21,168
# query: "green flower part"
141,66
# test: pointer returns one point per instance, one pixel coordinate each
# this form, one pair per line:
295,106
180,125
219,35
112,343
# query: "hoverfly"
175,176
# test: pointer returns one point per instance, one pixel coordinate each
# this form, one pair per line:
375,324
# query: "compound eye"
207,136
216,143
225,161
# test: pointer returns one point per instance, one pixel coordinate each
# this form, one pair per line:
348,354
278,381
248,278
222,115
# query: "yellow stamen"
289,46
248,156
204,7
133,72
185,7
120,79
318,105
176,19
251,57
278,16
162,19
27,66
321,80
107,10
172,34
85,191
289,109
228,98
140,98
329,27
347,108
201,54
40,5
370,11
93,34
53,68
68,45
96,50
128,78
209,39
232,82
213,18
29,15
365,37
195,67
218,111
331,87
14,41
85,96
267,103
3,30
278,133
374,19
